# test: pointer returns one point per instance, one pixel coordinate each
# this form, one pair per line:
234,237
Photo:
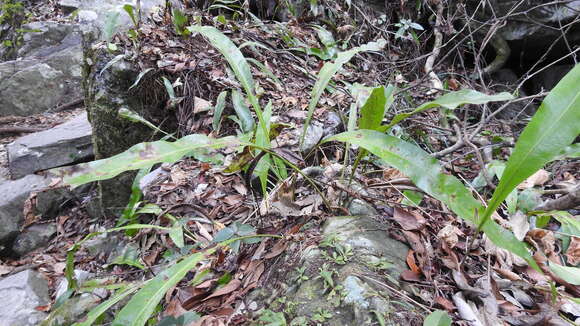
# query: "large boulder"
65,144
47,72
33,238
343,278
107,91
23,293
51,54
13,194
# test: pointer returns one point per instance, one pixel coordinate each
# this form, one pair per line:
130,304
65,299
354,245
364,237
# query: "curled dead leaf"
536,179
450,234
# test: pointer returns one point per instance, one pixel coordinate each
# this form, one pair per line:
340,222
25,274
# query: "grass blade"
237,62
218,111
142,305
328,71
141,156
451,101
426,173
551,130
101,308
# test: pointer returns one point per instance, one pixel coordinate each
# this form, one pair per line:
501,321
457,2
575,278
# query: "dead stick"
69,105
18,130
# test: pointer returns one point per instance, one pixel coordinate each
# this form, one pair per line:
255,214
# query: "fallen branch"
435,81
19,130
569,201
69,105
10,119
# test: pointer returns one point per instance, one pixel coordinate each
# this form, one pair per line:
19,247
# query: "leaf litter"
446,259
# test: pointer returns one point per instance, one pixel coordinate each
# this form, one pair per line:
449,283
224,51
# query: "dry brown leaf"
536,179
520,225
228,288
278,248
240,188
411,262
409,221
573,252
174,308
410,276
450,234
28,211
256,273
445,304
5,269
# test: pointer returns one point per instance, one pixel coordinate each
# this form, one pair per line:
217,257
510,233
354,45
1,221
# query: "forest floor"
446,254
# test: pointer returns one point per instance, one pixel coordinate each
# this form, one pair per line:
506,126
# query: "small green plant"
12,14
407,30
301,277
179,20
552,129
321,315
271,318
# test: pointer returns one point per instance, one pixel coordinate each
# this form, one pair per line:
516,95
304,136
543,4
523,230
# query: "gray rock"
22,293
13,194
353,299
33,238
332,123
47,72
65,144
72,310
80,276
33,90
47,38
69,6
548,78
361,207
313,135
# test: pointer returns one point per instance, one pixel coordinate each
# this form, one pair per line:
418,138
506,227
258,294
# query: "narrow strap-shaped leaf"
326,73
101,308
242,111
141,156
142,304
551,130
218,111
237,62
451,101
426,173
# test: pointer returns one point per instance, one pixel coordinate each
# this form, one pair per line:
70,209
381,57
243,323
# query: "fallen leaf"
573,252
228,288
520,225
536,179
411,262
409,221
410,276
5,269
278,248
445,304
450,234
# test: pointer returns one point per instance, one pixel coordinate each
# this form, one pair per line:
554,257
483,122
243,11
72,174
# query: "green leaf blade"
142,305
554,127
437,318
373,111
328,71
426,173
140,156
451,101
